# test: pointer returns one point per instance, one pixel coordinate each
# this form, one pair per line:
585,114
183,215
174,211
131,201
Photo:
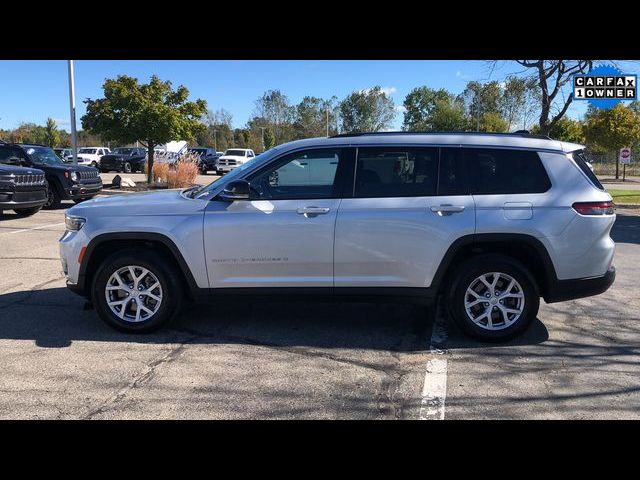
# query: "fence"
605,164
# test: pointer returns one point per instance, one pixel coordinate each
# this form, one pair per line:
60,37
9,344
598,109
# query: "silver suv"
491,221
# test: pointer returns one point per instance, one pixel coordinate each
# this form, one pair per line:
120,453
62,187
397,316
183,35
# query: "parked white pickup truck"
233,158
89,156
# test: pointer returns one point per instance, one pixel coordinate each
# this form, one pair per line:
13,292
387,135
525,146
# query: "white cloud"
400,108
386,90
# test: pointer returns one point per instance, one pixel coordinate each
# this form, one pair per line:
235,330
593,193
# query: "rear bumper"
579,288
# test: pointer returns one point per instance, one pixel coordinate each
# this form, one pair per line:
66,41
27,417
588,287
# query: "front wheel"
136,291
53,198
127,167
493,298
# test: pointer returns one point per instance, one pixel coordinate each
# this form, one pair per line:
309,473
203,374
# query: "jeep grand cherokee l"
64,181
492,221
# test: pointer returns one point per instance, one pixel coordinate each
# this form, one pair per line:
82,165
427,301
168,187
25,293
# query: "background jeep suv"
23,190
64,181
493,222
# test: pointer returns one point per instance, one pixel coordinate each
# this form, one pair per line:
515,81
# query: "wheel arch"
524,248
100,247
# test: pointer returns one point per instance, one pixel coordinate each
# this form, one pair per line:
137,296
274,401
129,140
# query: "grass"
625,196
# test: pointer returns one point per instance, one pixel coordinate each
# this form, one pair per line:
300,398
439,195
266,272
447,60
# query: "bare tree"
551,77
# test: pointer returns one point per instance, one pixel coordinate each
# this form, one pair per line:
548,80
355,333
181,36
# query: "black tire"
165,272
94,164
53,198
127,167
464,277
27,212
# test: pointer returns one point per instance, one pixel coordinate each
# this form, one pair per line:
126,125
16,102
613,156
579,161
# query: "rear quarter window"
580,160
505,171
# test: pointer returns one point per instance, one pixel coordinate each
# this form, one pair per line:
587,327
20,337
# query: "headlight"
74,223
74,176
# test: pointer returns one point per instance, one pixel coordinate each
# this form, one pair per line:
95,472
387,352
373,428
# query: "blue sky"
31,91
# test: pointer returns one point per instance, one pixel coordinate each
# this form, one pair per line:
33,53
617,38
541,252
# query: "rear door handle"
313,211
445,210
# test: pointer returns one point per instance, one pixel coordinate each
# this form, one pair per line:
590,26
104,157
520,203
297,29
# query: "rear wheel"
94,164
26,212
493,298
127,167
137,291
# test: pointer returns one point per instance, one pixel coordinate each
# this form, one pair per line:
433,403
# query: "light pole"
72,108
215,140
262,128
327,122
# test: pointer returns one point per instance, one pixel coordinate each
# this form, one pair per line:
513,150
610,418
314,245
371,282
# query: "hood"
157,203
69,167
16,170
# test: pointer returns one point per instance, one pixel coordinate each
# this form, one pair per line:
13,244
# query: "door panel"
283,238
400,238
268,243
396,241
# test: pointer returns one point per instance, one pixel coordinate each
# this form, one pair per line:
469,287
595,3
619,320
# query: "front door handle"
313,211
445,210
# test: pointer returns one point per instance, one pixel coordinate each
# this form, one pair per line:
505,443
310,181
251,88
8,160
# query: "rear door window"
396,172
505,171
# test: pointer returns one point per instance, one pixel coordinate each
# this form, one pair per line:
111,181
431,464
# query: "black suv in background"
64,181
23,190
208,158
124,159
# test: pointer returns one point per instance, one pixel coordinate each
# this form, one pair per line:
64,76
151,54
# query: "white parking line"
34,228
434,391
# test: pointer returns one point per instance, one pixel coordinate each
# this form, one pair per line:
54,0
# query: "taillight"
593,208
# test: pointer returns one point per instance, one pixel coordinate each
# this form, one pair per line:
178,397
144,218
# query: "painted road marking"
34,228
434,391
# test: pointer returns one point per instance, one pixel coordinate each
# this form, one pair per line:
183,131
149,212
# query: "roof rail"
519,133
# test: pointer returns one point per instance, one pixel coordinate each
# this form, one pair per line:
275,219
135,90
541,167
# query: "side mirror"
236,190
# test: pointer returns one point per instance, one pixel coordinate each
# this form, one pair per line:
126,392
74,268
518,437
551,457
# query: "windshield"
123,151
87,150
235,173
237,153
43,155
199,151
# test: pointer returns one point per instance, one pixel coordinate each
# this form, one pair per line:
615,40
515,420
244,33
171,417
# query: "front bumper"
582,287
82,190
225,168
10,200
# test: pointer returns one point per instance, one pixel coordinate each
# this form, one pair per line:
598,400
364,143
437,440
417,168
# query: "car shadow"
55,318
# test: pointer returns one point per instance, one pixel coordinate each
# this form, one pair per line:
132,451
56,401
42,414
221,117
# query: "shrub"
184,172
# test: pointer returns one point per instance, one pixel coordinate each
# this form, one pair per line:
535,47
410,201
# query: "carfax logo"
605,87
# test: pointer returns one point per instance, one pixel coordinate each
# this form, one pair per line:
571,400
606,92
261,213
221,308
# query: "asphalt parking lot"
264,360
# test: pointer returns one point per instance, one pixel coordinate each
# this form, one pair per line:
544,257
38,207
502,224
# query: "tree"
512,102
367,111
312,116
273,110
427,110
219,131
152,113
551,76
51,134
269,139
611,129
566,130
484,106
